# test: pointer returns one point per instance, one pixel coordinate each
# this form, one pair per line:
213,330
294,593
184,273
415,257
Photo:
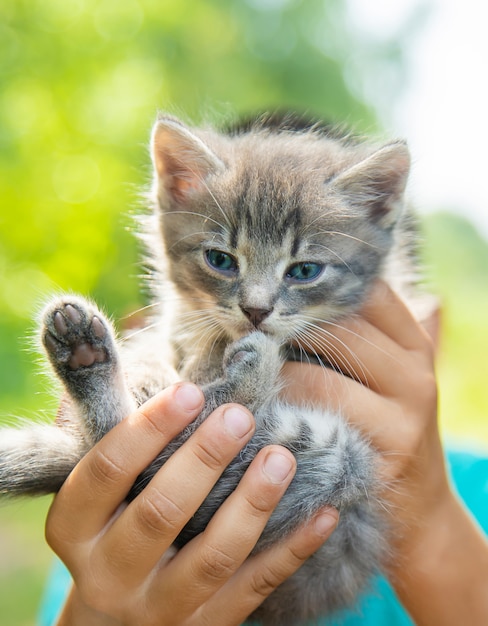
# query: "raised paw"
251,350
252,366
75,335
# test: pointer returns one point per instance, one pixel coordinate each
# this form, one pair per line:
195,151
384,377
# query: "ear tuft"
378,182
182,161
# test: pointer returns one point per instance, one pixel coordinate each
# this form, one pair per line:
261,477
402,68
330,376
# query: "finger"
363,353
382,349
138,538
307,384
260,575
207,562
386,422
432,324
102,479
387,312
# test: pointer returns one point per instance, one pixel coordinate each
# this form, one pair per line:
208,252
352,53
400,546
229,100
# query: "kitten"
257,236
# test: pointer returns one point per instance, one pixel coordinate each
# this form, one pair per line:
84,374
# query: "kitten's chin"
237,329
238,332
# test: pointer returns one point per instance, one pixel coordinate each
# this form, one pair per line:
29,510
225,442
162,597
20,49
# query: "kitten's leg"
81,347
251,373
37,459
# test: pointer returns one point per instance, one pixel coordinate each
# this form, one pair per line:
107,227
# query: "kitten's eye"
304,272
221,261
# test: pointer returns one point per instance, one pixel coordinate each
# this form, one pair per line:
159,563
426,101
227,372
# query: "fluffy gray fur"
256,238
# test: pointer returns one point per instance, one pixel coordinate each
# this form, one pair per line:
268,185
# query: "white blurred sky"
443,109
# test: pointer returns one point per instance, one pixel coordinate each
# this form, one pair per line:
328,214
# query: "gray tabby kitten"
256,238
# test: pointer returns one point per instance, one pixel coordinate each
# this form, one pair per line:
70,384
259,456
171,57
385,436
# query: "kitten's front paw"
252,366
75,335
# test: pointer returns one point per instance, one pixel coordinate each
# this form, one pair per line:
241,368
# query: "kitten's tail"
37,459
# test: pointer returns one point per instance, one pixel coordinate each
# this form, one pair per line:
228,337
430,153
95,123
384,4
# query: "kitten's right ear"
181,160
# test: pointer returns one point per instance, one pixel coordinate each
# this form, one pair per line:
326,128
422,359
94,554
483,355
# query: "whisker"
207,218
343,261
333,360
187,317
339,360
192,234
217,203
353,333
140,310
348,236
139,331
209,332
311,350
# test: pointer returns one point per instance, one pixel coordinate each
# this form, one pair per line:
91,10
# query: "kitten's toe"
250,351
75,335
252,365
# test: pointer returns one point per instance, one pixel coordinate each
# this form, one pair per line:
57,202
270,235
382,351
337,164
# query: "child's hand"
385,385
124,569
384,382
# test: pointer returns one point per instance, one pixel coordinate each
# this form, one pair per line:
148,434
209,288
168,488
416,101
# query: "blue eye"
304,272
221,261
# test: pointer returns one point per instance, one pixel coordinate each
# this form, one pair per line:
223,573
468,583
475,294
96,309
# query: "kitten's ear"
181,160
378,182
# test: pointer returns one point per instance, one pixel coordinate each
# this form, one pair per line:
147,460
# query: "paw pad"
240,356
75,337
85,355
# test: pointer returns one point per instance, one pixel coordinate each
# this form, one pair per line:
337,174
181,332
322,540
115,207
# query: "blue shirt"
380,606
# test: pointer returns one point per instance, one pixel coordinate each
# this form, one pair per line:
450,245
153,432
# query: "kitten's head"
274,230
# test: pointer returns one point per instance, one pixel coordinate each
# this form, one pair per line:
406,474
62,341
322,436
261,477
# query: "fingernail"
188,396
326,521
237,422
277,467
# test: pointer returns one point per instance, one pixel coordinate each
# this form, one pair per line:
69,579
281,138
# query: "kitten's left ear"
181,159
378,182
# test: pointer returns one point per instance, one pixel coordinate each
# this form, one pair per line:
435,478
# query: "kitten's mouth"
246,329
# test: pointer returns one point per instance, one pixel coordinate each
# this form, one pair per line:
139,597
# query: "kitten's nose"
256,316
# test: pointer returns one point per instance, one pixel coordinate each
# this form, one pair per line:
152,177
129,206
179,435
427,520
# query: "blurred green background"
80,84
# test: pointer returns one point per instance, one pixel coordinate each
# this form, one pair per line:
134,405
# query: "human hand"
385,385
384,382
124,569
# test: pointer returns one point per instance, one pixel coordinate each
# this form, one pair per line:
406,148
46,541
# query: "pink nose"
256,316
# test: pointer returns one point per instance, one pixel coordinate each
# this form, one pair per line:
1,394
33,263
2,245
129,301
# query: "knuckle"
157,513
261,502
52,535
258,505
296,557
209,456
428,390
411,434
101,596
105,470
93,593
95,584
151,422
216,565
265,581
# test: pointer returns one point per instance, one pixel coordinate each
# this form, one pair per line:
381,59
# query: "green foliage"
456,256
24,561
80,84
